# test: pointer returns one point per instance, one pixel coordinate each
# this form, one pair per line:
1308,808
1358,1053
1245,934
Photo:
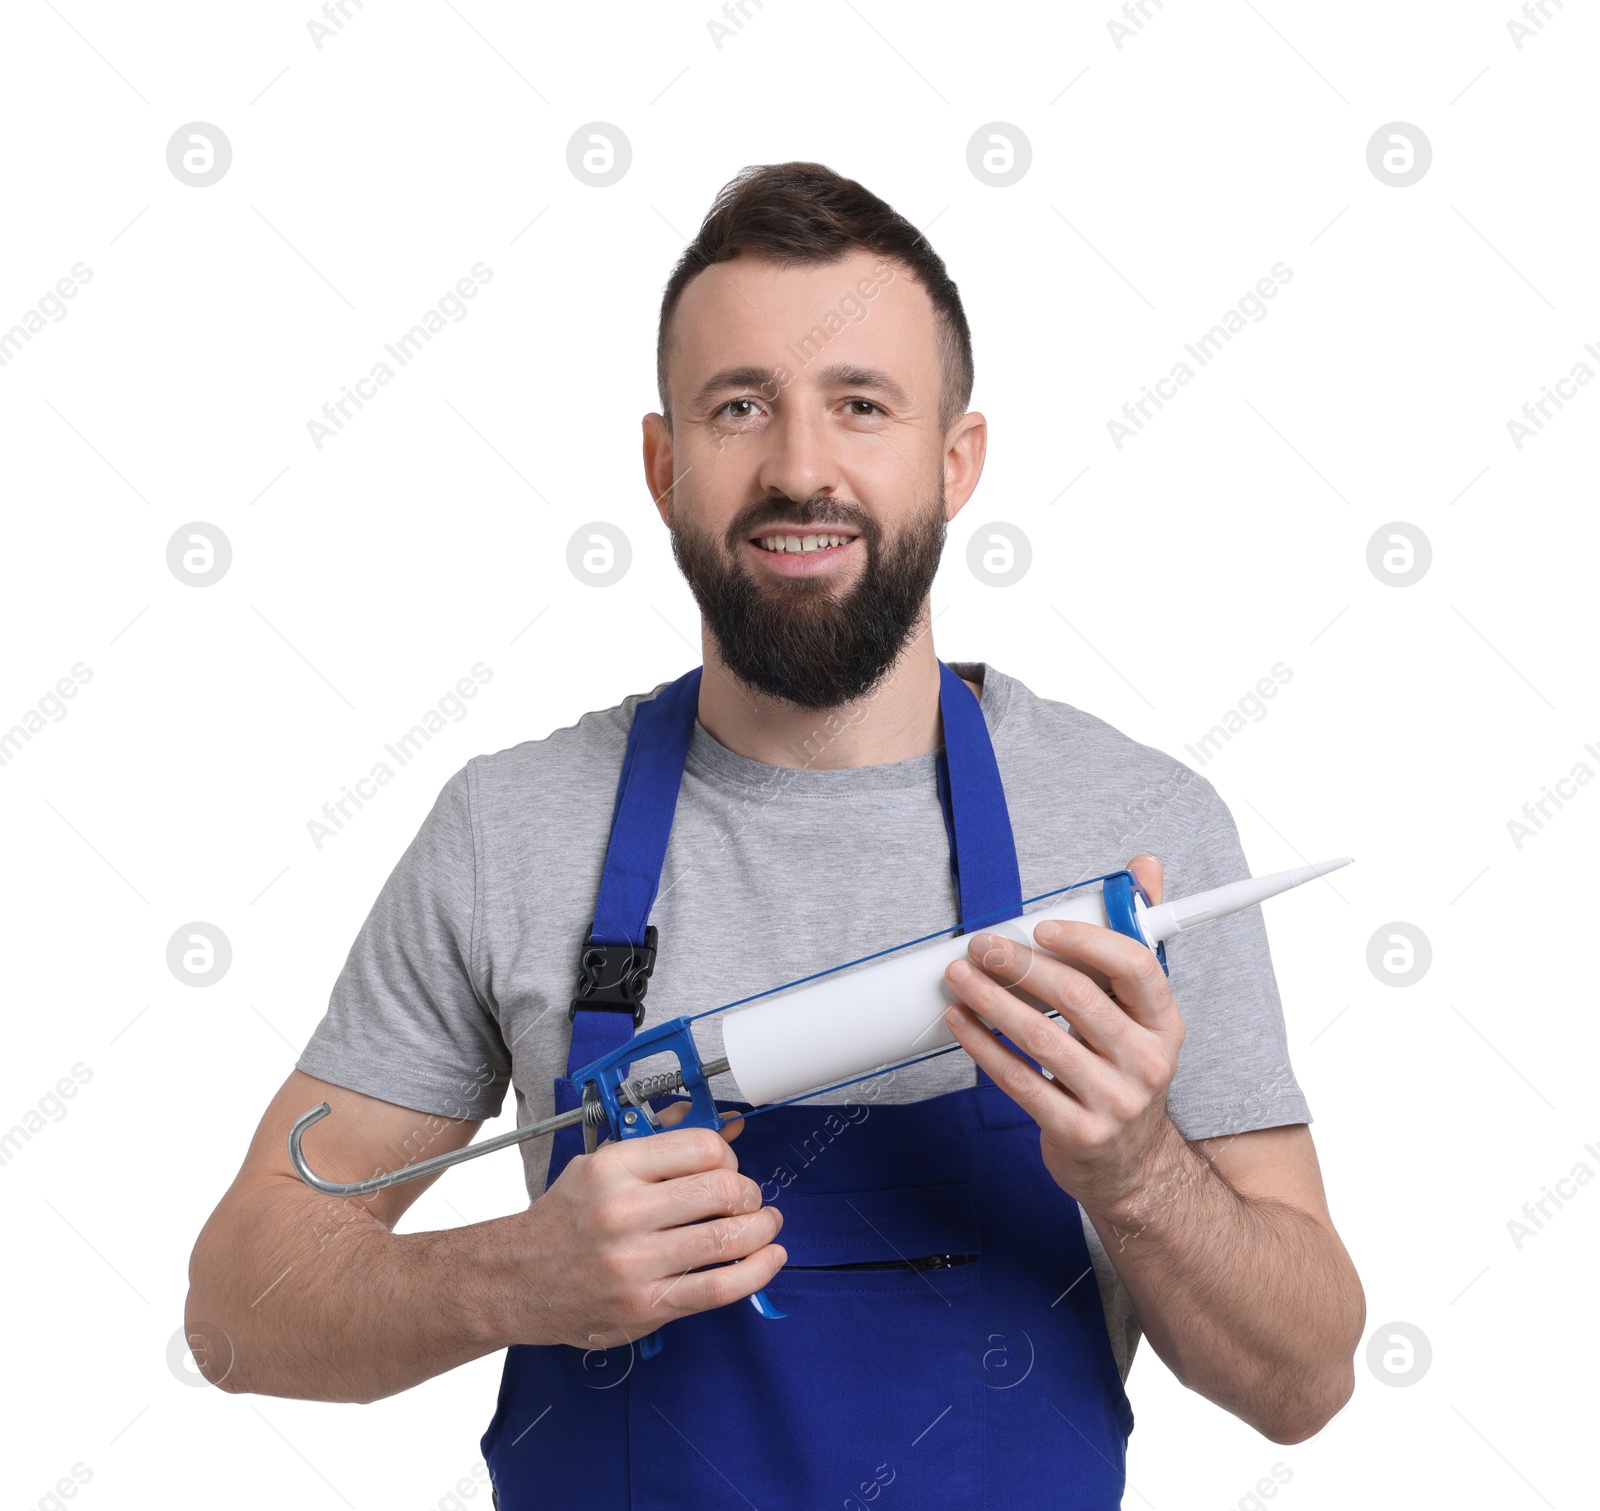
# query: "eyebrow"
732,377
839,375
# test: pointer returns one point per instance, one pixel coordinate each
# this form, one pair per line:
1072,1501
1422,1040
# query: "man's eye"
866,406
731,409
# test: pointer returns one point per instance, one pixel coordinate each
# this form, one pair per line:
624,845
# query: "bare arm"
1239,1279
293,1293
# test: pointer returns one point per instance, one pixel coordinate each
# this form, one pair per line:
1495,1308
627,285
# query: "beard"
799,639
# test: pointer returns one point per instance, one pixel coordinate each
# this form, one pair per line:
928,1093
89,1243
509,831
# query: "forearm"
299,1295
1253,1303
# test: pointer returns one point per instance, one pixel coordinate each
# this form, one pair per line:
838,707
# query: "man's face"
806,479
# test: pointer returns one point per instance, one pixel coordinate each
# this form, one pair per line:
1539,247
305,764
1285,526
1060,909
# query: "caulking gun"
817,1034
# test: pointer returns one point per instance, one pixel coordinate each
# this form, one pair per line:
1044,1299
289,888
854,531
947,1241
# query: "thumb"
1148,869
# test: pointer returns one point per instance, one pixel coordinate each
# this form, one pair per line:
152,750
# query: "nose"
797,456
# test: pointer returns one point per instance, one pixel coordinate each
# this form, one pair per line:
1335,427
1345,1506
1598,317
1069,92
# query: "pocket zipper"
912,1266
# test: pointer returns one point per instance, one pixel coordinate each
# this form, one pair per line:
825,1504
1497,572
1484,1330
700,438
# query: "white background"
1167,176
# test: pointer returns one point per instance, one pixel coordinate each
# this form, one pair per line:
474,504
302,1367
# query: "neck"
896,721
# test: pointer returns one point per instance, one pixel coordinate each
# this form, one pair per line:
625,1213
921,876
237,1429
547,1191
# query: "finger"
670,1155
700,1290
657,1205
1147,870
1151,876
1053,1106
718,1241
675,1112
1078,1069
1072,992
1135,973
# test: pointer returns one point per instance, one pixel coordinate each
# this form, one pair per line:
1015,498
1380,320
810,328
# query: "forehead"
752,310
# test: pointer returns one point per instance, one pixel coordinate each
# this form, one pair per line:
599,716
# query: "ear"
965,449
658,464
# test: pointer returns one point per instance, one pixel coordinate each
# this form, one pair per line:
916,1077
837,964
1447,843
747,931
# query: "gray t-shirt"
458,982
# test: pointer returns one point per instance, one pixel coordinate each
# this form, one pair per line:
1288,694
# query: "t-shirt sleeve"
1233,1070
406,1021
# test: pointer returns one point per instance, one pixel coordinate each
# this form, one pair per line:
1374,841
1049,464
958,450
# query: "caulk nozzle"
1168,919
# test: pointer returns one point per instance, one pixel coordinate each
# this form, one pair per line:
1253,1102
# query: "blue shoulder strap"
983,851
641,817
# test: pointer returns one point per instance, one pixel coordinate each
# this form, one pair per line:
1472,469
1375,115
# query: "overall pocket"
868,1393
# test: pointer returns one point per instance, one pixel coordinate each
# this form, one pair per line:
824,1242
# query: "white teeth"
802,543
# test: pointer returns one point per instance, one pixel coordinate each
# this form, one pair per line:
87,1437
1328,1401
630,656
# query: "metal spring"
642,1088
638,1091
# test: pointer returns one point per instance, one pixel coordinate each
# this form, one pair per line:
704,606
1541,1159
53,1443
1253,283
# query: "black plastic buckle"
613,978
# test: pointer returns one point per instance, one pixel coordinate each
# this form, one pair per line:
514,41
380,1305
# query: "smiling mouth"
792,542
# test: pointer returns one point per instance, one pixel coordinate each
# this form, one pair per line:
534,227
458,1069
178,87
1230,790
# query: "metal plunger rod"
638,1091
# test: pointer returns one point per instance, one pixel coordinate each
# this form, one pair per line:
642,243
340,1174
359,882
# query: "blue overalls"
944,1343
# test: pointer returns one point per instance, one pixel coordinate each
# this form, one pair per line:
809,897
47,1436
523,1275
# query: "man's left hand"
1103,1118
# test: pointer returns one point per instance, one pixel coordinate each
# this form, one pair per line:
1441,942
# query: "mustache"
818,512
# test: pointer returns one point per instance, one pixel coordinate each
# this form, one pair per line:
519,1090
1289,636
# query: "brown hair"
800,214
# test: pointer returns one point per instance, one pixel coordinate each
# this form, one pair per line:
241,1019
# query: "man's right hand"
619,1243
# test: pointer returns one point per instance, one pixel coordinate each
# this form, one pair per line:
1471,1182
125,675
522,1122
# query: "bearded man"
967,1250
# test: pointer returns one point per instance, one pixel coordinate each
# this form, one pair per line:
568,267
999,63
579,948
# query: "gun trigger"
759,1300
